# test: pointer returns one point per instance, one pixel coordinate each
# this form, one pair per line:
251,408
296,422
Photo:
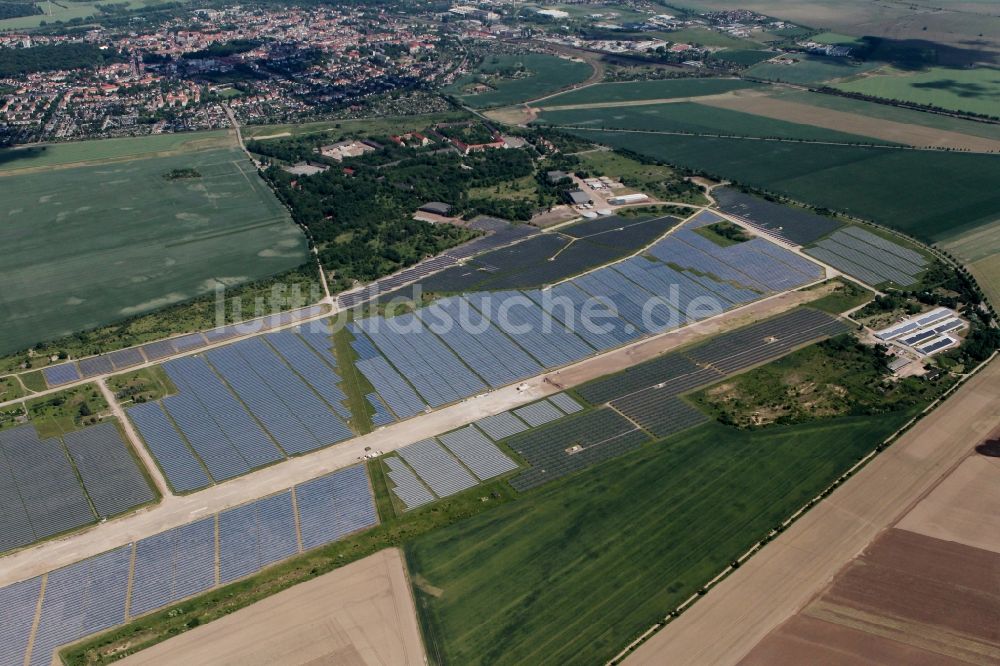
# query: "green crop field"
84,246
62,154
543,74
933,195
633,91
67,11
746,57
976,90
894,113
697,119
572,572
810,70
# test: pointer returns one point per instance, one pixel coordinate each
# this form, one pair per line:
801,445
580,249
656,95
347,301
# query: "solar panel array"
538,413
380,413
243,406
40,474
182,469
64,373
399,396
442,473
81,599
436,373
565,403
501,426
105,591
110,474
406,486
573,444
335,505
478,343
870,258
498,238
477,453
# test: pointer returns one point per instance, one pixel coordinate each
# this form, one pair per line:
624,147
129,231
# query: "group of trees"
53,57
361,218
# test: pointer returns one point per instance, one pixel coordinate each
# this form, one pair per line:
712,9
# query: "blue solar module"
182,469
265,404
126,358
81,599
194,558
220,457
152,580
934,346
276,523
297,396
173,565
15,528
95,365
334,505
154,351
239,550
17,614
439,376
192,374
57,375
189,341
304,361
919,337
46,481
482,346
533,329
632,302
399,396
381,415
109,472
592,318
318,336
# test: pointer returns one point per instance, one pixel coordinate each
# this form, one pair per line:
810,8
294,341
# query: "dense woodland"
359,213
52,57
18,9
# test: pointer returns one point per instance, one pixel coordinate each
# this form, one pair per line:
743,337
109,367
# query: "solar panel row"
501,426
110,474
538,413
183,470
477,453
406,486
90,596
442,473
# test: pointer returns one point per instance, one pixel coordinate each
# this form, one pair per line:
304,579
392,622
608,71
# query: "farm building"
349,148
578,197
436,208
556,176
626,199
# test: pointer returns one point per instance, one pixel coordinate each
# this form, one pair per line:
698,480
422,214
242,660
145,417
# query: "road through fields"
773,585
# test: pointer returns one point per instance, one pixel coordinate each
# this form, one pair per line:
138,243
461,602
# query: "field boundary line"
801,511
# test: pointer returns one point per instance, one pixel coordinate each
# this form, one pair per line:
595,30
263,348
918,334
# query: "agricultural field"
634,91
354,127
518,78
931,195
122,239
810,70
42,156
635,537
873,110
975,90
744,57
694,118
910,127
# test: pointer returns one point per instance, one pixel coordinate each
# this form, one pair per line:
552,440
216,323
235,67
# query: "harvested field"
354,616
936,600
886,130
964,508
804,639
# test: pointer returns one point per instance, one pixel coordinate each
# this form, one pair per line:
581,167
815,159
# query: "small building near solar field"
436,208
578,197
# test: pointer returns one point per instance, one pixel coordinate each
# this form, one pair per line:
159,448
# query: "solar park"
110,589
254,402
41,494
872,259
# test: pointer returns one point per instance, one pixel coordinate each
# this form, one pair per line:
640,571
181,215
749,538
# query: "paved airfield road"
770,587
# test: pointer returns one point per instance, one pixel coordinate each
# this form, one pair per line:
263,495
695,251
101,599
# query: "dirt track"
776,583
359,615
